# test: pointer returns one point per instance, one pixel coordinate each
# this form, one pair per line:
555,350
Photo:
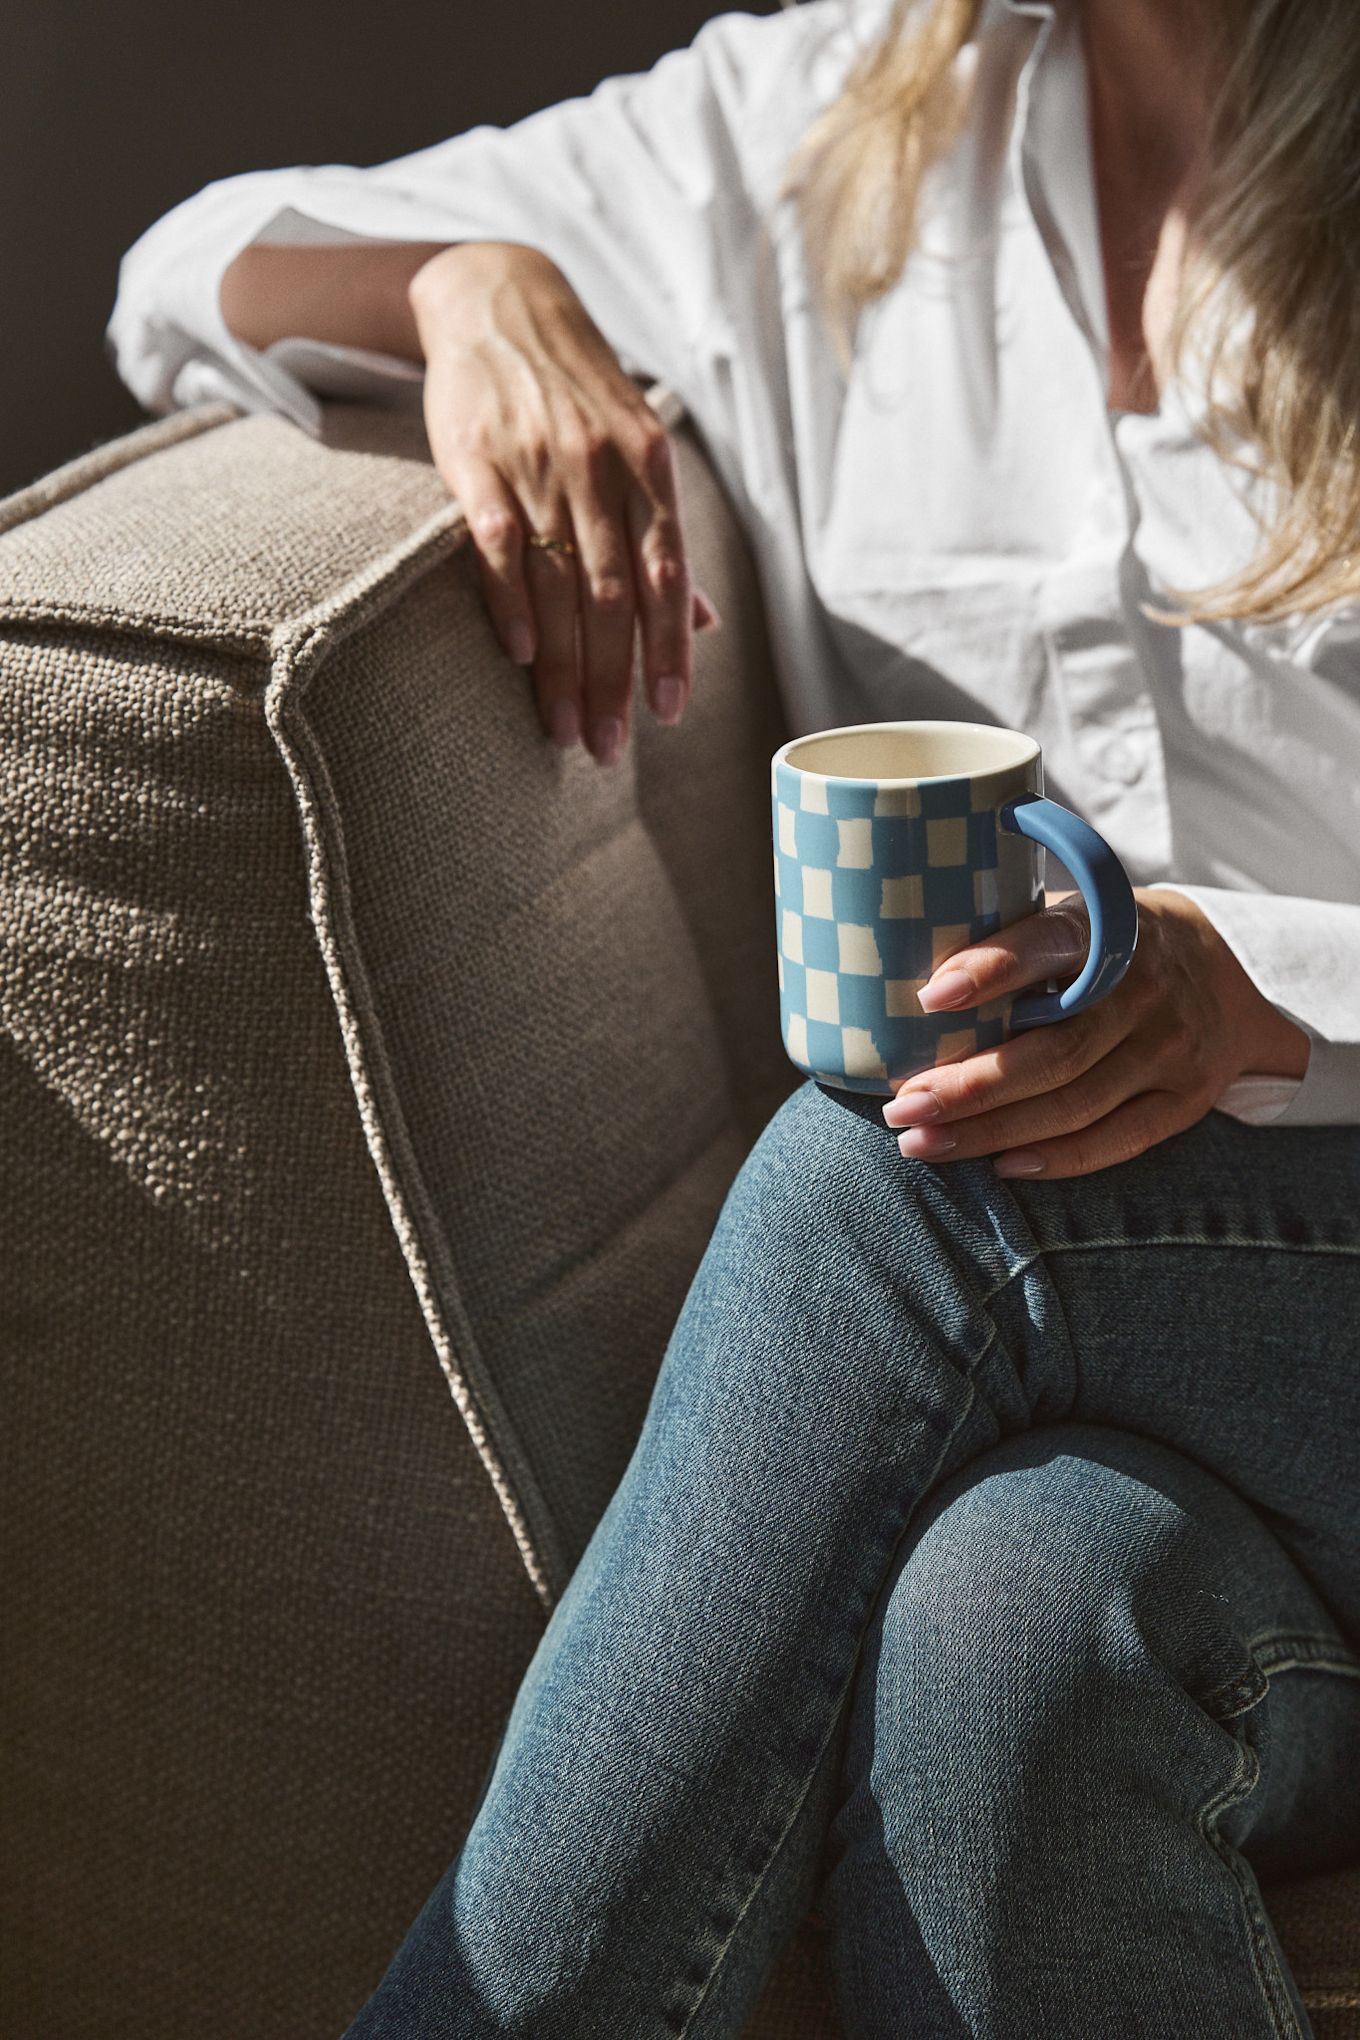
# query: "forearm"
354,295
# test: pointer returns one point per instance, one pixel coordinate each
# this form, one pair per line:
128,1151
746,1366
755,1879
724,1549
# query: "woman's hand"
1076,1095
535,427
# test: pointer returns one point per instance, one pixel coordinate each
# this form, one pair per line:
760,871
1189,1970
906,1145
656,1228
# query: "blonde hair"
1269,291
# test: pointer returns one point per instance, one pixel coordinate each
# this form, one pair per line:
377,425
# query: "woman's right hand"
535,427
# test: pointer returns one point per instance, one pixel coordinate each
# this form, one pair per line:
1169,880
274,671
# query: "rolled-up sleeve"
646,192
1304,956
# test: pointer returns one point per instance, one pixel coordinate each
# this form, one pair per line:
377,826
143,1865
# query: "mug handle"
1109,902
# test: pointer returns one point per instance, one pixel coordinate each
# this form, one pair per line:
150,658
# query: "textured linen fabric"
260,1601
262,1597
963,528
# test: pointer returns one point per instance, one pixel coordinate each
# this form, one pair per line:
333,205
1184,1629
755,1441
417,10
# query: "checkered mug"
896,844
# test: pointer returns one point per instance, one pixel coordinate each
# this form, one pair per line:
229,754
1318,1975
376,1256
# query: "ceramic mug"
896,844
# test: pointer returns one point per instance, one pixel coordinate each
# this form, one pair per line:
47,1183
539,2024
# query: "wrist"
1281,1047
388,311
347,295
432,286
439,285
1268,1042
426,289
1264,1041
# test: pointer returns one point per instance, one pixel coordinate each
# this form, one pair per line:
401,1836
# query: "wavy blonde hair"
1273,232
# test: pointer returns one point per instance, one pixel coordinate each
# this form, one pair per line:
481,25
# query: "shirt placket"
1115,765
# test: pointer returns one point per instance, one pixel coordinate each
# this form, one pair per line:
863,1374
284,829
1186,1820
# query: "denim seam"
1175,1240
1273,1652
1303,1651
1227,1703
758,1880
1274,1987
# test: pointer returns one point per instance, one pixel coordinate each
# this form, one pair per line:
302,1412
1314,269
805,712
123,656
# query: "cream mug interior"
884,752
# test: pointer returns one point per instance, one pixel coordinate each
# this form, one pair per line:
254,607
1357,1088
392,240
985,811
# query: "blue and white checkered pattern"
873,888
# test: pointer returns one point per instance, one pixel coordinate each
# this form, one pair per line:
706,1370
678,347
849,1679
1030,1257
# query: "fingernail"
706,616
565,723
1021,1162
606,738
669,694
950,988
926,1141
521,644
912,1108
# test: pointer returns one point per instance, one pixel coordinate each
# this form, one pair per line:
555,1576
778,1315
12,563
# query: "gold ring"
561,545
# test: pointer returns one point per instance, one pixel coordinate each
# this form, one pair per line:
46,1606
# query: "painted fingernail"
926,1141
912,1108
1020,1162
565,723
669,694
606,738
950,988
521,644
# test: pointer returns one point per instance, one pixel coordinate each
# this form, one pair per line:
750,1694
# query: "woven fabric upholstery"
375,1075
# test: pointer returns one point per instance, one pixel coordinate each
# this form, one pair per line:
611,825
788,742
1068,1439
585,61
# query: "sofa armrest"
496,919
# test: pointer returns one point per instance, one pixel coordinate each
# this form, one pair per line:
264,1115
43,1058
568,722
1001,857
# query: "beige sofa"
372,1075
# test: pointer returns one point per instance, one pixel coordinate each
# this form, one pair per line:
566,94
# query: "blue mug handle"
1109,902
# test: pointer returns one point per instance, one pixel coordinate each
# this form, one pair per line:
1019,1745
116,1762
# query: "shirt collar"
1053,162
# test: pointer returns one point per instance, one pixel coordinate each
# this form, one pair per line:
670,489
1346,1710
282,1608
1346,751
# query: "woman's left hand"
1102,1086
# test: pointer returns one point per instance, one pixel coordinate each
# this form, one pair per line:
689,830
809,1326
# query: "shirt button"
1119,761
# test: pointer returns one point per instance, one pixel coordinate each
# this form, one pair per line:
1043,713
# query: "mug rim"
781,756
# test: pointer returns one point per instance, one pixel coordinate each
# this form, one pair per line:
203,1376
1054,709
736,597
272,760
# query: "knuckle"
1181,1041
643,428
611,592
1057,1058
1146,991
967,1089
666,572
494,527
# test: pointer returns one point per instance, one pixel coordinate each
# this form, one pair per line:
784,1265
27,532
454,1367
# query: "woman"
986,1571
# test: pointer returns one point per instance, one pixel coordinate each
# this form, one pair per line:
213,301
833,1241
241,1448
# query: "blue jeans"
987,1576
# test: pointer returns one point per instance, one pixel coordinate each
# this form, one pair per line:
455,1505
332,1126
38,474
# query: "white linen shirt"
961,528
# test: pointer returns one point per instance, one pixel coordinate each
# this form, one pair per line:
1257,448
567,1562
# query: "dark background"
111,115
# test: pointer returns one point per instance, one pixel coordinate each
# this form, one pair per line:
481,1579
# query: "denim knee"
1051,1598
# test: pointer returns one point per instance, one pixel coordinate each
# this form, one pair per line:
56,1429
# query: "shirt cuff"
1258,1099
167,338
